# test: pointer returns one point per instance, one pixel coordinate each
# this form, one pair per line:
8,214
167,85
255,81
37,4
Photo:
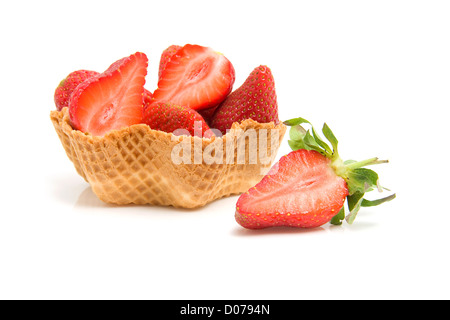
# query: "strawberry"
308,187
196,77
111,100
165,58
207,114
255,99
302,190
148,97
168,117
67,85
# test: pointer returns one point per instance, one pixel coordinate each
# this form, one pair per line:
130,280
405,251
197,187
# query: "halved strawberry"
301,190
111,100
309,186
165,58
169,117
196,77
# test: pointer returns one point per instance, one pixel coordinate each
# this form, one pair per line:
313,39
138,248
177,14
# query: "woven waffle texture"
135,165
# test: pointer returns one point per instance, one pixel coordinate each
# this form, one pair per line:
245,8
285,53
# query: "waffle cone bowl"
138,165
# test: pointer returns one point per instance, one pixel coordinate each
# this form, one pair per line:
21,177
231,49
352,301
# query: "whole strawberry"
309,186
169,117
68,85
256,99
166,56
208,114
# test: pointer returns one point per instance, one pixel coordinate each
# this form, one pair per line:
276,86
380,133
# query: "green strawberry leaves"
337,219
359,180
330,137
372,203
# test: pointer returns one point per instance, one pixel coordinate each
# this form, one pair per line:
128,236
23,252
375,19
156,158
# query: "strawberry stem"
363,163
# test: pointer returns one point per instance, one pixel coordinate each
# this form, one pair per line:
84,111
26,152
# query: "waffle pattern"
134,165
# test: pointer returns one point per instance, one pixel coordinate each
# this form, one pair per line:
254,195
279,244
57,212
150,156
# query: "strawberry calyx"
360,180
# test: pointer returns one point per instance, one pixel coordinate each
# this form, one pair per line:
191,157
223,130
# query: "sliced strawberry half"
309,186
111,100
302,190
165,58
196,77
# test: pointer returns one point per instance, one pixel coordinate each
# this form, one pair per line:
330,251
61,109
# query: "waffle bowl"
138,165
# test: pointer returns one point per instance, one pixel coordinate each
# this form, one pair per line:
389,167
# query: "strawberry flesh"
111,100
302,190
165,58
196,77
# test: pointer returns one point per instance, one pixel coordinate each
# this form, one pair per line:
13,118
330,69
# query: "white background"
378,72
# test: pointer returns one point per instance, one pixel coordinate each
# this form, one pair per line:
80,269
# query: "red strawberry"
111,100
302,190
308,187
148,97
165,58
168,117
255,99
66,86
196,77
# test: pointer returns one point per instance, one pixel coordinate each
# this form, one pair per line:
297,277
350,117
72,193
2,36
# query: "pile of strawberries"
194,93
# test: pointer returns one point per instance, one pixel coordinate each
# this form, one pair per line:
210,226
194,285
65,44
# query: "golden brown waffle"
135,164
